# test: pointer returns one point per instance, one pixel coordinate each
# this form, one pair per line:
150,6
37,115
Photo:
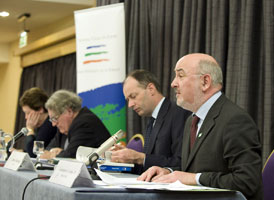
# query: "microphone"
24,131
93,157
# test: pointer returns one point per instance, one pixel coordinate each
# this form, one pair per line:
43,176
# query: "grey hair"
212,68
61,100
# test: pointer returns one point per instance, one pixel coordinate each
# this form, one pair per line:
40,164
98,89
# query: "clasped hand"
125,155
163,175
51,154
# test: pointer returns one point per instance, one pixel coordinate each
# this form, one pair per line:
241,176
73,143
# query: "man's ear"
69,111
206,81
151,88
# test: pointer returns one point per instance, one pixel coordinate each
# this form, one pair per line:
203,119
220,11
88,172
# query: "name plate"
71,174
19,161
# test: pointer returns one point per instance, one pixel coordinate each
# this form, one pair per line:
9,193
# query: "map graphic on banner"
110,108
100,44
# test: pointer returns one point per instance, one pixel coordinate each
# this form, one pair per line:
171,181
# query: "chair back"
136,143
268,178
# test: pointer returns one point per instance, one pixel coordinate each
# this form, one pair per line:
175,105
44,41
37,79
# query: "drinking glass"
38,149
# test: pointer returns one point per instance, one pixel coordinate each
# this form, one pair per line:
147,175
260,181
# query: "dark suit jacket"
85,130
165,143
228,153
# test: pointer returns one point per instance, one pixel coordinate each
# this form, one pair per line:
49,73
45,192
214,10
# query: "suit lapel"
201,136
204,131
158,124
186,144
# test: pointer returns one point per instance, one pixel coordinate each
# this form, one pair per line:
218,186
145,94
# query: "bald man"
226,149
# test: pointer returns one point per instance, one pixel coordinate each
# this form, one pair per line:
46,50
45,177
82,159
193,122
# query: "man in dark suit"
77,126
163,143
226,150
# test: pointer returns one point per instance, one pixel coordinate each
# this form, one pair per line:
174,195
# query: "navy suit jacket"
165,142
227,150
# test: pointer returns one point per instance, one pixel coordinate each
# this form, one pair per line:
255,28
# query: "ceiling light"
24,34
23,17
4,14
23,41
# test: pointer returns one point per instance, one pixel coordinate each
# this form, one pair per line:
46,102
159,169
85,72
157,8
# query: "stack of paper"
135,184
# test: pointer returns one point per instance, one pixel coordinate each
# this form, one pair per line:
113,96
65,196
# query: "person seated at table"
163,136
39,127
221,144
80,126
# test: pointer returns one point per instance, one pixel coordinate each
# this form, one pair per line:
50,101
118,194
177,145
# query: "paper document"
176,186
133,183
112,180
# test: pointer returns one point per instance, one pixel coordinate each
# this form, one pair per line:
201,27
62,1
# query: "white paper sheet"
134,184
112,180
176,186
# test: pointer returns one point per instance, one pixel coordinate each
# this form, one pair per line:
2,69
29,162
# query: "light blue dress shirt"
201,113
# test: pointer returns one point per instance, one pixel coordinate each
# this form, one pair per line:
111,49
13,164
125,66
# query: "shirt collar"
157,108
203,110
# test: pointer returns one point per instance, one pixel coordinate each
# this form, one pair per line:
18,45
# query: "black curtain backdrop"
52,75
238,33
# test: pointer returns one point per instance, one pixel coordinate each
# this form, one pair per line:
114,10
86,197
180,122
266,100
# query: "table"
12,184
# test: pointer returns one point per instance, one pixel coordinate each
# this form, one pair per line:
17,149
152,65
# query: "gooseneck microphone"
93,157
24,131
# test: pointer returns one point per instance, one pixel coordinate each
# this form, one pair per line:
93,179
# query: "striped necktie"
148,133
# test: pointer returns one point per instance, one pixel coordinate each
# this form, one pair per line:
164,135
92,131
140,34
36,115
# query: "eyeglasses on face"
54,119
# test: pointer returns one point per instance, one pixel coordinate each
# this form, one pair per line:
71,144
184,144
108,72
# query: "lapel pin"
200,135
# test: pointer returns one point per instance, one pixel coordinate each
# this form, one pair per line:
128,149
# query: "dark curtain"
52,75
238,33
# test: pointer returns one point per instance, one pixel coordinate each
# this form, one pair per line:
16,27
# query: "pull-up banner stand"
100,50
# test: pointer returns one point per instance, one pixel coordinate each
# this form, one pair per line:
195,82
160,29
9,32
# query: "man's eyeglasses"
54,119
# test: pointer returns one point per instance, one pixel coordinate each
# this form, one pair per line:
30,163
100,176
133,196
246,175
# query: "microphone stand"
93,165
94,156
7,150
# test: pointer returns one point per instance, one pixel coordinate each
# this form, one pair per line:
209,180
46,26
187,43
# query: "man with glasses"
77,126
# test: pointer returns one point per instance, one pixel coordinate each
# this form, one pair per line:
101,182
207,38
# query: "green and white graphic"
100,42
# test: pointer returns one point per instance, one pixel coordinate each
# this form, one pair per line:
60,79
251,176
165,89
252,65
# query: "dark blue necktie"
148,133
